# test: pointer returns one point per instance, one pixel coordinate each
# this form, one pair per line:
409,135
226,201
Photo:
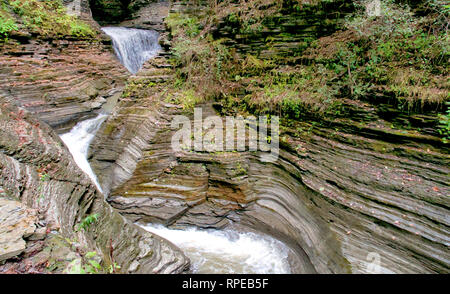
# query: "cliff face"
61,81
53,215
366,178
130,13
334,198
38,171
346,186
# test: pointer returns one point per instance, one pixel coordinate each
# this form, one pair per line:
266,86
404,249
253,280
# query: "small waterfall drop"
228,251
133,47
210,251
78,141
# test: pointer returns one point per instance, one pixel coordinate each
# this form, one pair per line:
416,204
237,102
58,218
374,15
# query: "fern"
87,222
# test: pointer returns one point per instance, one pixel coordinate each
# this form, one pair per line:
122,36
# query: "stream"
210,251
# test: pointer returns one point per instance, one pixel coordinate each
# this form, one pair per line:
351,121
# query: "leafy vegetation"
187,98
45,18
87,222
444,124
90,263
7,24
400,58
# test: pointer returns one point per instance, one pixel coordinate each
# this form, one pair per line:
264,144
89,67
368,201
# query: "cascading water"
227,251
210,251
133,47
78,140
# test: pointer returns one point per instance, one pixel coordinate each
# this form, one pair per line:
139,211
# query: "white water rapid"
78,140
227,251
133,47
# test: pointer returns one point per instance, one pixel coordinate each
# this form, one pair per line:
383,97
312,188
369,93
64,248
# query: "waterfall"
78,141
133,47
210,251
227,251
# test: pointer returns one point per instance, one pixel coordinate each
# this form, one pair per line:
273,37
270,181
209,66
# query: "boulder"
17,222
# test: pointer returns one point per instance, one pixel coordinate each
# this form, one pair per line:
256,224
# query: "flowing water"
227,251
210,251
133,47
78,140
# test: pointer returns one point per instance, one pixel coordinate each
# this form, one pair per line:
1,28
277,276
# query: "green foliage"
49,19
294,92
80,29
44,177
136,87
181,23
187,98
240,169
88,264
7,24
393,55
87,222
444,124
113,268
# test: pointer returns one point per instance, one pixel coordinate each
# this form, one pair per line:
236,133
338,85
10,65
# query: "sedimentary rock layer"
61,81
38,170
337,197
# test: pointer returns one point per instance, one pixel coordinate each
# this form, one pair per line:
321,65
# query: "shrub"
444,124
87,222
50,19
7,25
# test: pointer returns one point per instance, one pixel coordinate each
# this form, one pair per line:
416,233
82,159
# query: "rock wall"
334,201
38,171
285,33
341,193
61,81
79,8
109,12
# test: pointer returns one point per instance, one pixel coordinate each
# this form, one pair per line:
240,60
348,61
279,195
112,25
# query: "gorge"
361,173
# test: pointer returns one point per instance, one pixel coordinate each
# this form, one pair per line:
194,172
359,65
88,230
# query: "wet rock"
335,200
38,170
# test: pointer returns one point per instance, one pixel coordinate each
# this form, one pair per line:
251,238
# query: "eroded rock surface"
60,81
336,197
38,170
16,223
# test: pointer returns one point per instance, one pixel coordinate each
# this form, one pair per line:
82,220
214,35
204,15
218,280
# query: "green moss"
7,23
188,24
187,98
444,124
49,19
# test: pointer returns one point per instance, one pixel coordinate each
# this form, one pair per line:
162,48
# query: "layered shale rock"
149,16
339,194
61,81
146,14
343,192
276,29
17,222
38,171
